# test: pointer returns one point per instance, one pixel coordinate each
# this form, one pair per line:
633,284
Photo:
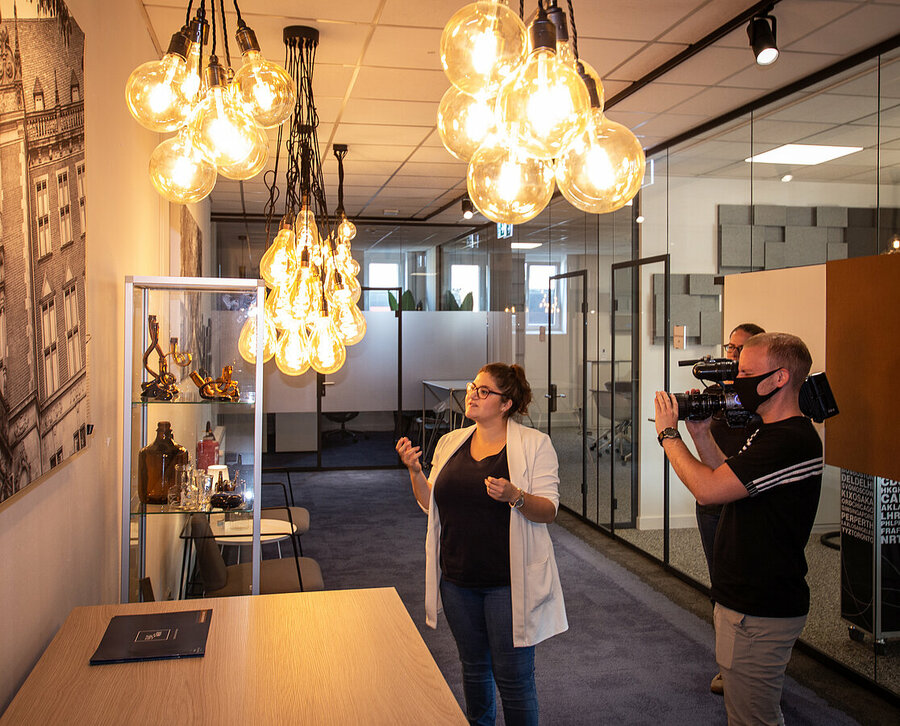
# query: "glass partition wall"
719,216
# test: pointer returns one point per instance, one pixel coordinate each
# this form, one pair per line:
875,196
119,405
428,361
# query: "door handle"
552,396
322,388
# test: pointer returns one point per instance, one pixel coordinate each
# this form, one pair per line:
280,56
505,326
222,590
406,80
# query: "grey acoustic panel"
861,241
797,236
685,310
798,217
773,234
836,234
735,245
710,327
678,284
703,285
769,215
774,255
860,217
806,251
837,251
734,214
758,249
831,216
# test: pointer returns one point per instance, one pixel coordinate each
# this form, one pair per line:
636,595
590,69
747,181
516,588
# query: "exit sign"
504,231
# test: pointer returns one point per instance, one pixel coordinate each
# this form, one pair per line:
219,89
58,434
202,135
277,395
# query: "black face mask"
745,388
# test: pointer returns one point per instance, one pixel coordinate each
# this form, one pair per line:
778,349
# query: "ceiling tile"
399,113
857,30
387,135
394,47
400,84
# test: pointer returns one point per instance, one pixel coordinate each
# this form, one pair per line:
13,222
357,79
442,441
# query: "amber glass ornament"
156,466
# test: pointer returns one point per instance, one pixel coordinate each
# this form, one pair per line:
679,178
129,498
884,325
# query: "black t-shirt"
759,565
474,527
729,440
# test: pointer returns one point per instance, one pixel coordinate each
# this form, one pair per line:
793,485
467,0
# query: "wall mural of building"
43,367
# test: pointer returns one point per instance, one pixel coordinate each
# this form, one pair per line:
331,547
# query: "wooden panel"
862,361
342,657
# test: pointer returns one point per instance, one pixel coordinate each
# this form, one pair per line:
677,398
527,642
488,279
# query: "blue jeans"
480,619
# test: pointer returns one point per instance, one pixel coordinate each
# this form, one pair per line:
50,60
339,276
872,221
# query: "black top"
474,527
759,565
729,440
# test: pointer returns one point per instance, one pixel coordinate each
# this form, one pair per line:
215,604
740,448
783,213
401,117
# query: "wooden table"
338,657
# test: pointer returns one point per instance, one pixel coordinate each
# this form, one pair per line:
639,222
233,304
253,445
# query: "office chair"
291,574
298,517
343,433
617,438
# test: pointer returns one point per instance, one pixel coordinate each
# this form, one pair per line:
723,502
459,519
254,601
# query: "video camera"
816,400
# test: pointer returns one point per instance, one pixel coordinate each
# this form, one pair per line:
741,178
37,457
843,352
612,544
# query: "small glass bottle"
156,466
207,449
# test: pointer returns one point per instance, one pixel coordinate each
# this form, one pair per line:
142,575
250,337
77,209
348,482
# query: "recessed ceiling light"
524,245
640,219
391,212
803,154
787,178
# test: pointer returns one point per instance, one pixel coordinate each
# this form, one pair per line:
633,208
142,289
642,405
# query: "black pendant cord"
339,154
187,19
212,12
224,33
574,29
240,20
522,10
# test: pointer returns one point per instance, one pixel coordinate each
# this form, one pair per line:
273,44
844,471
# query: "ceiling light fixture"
524,245
802,154
787,178
528,117
762,31
219,115
468,209
312,303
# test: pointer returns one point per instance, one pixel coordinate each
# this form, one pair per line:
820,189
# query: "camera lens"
699,406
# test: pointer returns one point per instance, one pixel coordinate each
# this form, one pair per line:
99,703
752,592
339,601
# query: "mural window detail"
73,337
79,438
50,347
3,349
74,88
65,212
56,458
79,180
38,95
42,199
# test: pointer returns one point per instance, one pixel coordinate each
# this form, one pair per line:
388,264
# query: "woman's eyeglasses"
732,348
480,392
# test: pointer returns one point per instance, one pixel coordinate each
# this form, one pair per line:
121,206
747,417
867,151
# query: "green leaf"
407,301
392,301
468,302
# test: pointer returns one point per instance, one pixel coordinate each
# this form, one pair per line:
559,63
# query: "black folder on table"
154,636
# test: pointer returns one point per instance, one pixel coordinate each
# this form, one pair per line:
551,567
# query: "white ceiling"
378,81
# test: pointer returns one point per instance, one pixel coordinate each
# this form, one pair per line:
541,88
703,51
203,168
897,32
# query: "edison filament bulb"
350,323
603,169
506,184
226,135
292,351
278,263
546,97
346,230
326,351
154,93
247,339
481,45
464,121
180,172
265,88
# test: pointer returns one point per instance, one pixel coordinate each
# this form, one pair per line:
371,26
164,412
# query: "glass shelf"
142,509
191,402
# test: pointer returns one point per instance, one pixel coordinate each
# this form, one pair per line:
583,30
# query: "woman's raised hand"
409,455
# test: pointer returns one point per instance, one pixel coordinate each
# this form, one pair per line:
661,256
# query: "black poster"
889,499
857,548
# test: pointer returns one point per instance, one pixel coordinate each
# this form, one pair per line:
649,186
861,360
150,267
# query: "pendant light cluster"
311,310
526,114
219,116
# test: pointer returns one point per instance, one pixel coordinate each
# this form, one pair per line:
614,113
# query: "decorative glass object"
156,466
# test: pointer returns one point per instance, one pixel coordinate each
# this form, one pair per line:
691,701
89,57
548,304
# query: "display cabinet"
183,367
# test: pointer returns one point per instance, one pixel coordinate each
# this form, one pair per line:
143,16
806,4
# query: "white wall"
681,219
60,538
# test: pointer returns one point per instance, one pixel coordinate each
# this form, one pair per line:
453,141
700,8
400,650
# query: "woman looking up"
489,559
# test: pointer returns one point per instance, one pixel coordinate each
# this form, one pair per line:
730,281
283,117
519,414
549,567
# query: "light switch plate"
678,336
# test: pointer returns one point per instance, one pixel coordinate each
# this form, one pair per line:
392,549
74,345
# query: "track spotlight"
468,209
762,39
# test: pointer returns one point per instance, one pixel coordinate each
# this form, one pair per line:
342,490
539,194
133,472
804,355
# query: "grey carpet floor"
630,656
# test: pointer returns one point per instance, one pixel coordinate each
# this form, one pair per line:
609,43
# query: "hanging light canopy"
531,117
311,307
218,115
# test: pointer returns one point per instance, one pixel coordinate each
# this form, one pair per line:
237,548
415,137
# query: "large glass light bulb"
180,172
464,121
305,295
292,351
350,323
280,305
266,89
481,45
252,165
326,351
226,135
154,93
247,338
547,101
337,292
506,184
603,169
278,264
190,86
308,233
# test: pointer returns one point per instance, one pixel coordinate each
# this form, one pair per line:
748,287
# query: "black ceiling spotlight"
761,32
468,209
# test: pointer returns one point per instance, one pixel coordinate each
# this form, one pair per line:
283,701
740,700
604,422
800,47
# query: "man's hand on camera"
697,428
666,411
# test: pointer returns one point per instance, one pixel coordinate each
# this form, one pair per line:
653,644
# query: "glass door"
640,311
567,385
359,406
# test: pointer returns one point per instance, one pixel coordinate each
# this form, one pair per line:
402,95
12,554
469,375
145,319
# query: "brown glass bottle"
156,466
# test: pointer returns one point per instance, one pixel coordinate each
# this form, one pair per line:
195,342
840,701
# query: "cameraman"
729,440
770,490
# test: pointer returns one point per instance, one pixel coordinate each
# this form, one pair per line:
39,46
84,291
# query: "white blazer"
538,610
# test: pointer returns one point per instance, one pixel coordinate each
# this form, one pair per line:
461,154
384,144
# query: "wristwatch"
520,502
668,433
